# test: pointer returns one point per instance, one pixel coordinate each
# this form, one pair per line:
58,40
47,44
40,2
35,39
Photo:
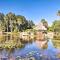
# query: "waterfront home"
40,29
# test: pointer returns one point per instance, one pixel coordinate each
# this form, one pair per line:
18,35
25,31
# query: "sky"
32,9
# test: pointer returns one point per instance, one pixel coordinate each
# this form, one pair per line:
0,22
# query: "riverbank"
11,40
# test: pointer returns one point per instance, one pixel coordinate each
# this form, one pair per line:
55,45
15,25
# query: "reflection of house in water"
40,35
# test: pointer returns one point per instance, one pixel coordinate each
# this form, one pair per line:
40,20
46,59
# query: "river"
32,50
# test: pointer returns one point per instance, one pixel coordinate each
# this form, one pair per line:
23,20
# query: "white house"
40,27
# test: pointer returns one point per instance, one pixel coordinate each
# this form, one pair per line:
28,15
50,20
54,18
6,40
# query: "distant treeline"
11,22
15,23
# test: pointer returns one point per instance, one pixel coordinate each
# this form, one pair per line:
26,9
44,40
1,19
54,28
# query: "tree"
58,13
1,16
45,23
10,19
2,24
30,24
50,29
56,26
21,22
11,22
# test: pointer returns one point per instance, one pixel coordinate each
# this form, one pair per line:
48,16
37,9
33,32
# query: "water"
32,50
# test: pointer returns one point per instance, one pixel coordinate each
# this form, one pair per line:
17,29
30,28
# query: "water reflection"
56,43
25,49
41,44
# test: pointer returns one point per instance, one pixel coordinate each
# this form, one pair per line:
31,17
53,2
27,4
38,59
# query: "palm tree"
58,13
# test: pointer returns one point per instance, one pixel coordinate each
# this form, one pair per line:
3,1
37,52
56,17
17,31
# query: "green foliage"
14,23
58,13
50,29
30,24
45,23
56,26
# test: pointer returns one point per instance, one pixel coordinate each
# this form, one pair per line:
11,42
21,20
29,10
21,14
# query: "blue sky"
32,9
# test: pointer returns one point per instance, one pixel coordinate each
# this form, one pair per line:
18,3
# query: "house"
39,31
40,27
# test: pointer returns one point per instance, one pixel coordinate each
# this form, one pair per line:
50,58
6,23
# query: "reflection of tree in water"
56,40
56,43
10,51
11,41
